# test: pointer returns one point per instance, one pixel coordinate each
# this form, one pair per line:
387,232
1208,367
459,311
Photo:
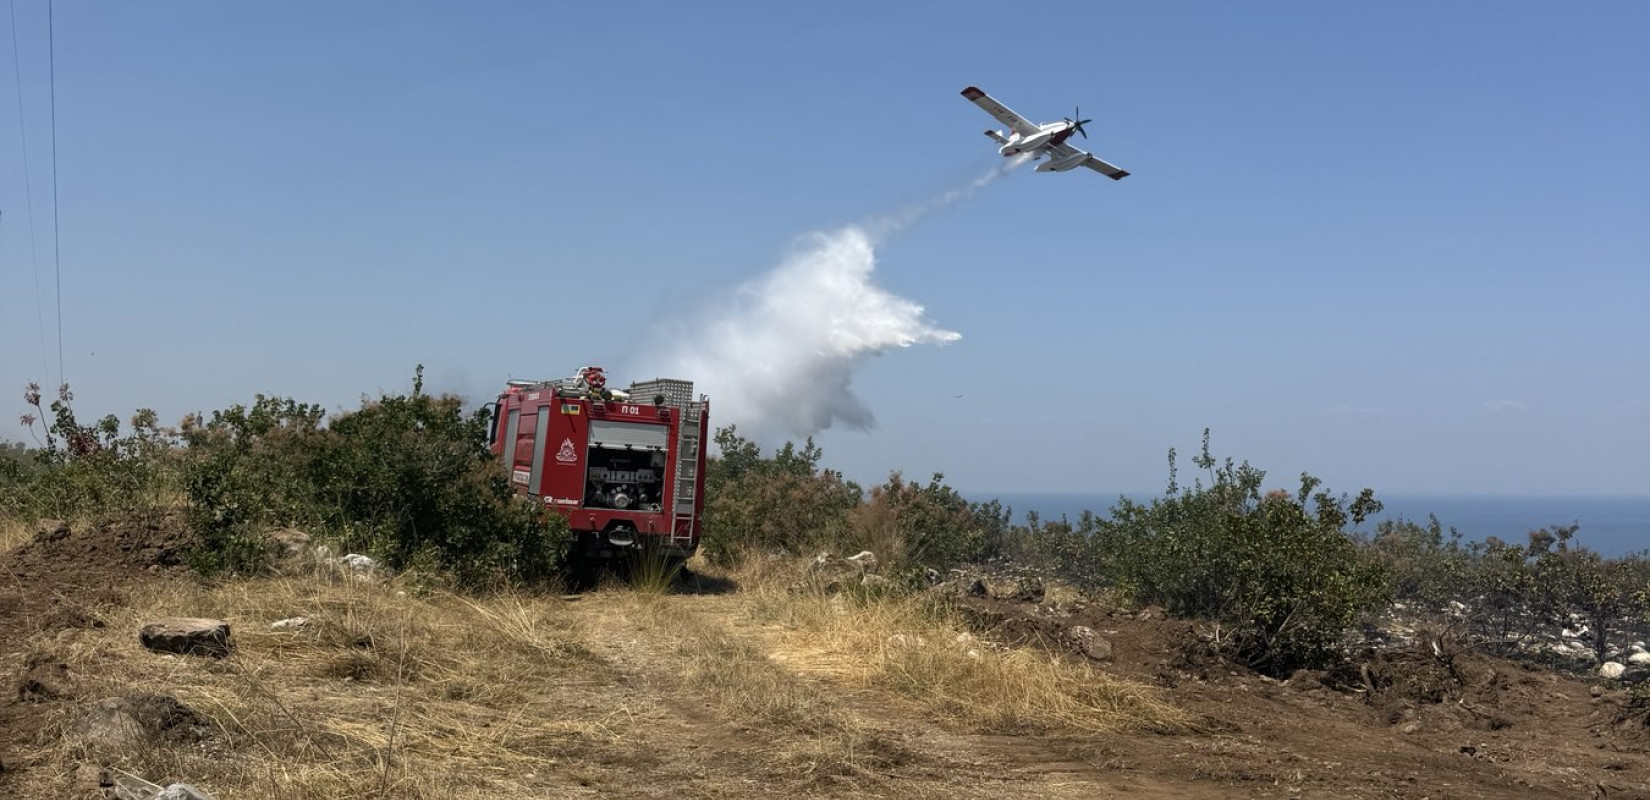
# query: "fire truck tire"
582,572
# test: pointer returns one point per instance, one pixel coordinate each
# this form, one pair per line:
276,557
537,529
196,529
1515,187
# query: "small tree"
912,524
782,502
1425,567
1277,571
1605,595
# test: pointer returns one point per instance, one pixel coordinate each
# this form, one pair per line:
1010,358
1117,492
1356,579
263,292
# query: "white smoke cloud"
778,356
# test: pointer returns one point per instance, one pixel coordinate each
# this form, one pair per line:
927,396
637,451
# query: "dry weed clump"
916,646
383,693
13,532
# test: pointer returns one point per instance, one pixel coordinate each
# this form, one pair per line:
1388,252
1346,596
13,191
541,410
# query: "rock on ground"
1090,643
187,635
358,562
117,725
1612,669
182,791
866,560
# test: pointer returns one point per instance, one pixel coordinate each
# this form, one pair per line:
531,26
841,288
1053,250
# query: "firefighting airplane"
1047,139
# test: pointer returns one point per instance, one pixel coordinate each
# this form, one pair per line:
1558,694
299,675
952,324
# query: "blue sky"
1401,245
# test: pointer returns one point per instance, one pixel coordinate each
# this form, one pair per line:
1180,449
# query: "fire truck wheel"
583,572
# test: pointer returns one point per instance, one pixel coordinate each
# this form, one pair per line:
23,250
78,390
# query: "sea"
1611,525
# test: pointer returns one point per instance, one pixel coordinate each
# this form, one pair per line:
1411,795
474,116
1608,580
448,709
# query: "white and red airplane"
1047,139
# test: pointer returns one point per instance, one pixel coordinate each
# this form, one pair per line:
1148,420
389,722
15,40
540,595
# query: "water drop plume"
778,354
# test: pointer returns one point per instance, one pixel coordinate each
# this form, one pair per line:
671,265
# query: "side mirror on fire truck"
492,421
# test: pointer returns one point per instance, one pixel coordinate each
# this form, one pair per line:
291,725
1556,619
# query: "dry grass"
917,647
13,533
393,691
382,694
795,724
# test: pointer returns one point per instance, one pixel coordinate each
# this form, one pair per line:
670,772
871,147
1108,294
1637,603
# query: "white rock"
289,624
1638,647
182,791
876,582
865,559
358,562
1640,659
1612,669
906,641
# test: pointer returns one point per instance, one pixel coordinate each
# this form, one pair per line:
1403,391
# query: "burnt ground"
1398,723
1403,722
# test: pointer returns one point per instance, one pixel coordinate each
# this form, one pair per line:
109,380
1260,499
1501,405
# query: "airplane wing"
1063,150
1015,122
1105,169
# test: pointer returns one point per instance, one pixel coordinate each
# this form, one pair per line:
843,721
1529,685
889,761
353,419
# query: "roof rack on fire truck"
591,383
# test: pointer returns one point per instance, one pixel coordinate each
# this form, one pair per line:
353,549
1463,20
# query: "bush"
911,525
1076,553
82,470
784,502
1424,568
1277,570
407,478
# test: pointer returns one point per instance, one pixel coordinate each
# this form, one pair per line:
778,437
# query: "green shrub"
1425,569
407,478
1277,570
912,525
82,470
783,502
249,468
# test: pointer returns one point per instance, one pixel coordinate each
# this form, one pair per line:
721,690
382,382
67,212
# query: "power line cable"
28,191
57,256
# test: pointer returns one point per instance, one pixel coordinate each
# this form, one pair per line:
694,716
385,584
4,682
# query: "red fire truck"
624,467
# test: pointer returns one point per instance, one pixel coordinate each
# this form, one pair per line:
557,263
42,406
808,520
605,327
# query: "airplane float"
1047,139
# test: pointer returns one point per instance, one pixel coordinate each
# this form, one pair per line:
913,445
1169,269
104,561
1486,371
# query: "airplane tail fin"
996,137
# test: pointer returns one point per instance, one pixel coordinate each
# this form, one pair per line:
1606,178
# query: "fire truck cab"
626,468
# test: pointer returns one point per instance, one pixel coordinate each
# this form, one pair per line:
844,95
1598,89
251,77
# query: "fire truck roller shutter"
628,435
511,429
540,444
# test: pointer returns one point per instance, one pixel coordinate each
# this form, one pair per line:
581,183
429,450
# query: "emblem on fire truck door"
567,455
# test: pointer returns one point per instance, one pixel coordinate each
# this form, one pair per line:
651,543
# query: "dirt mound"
122,723
113,549
61,579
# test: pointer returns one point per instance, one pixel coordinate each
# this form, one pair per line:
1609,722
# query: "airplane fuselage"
1051,135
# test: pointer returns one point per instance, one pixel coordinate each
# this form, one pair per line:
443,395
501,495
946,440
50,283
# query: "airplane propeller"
1077,124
